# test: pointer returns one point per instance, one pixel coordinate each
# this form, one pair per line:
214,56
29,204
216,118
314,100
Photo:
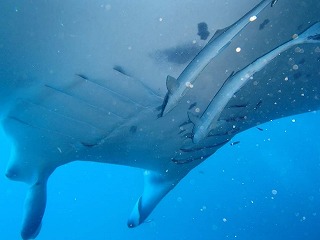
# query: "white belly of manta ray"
119,119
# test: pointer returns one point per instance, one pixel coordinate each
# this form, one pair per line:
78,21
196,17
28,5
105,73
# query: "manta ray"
115,119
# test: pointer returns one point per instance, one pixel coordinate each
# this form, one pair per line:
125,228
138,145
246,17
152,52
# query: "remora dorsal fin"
172,84
218,33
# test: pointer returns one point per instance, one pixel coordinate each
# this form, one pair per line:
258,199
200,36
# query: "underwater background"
265,187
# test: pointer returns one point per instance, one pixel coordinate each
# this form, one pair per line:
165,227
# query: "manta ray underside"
115,119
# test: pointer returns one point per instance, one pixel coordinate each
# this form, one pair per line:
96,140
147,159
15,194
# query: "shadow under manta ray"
115,121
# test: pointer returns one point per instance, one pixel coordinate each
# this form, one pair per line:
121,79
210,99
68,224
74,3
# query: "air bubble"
295,67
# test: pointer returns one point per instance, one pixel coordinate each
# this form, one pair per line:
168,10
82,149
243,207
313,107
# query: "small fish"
260,129
234,143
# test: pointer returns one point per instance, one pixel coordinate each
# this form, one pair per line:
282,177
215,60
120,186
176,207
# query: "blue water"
266,187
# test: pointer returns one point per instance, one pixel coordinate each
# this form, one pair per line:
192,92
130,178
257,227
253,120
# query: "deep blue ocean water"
265,187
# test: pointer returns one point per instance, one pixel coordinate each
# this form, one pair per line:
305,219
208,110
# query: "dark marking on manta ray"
162,107
82,76
177,161
302,61
260,129
183,161
185,123
19,120
187,135
204,147
89,144
235,119
297,75
203,31
120,69
182,131
264,24
201,172
238,106
234,143
227,133
133,129
318,59
192,105
180,54
258,105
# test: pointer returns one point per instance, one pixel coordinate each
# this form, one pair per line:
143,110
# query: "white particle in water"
224,220
238,49
274,192
189,85
253,18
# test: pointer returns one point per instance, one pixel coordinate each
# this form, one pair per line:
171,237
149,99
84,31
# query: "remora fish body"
210,118
177,88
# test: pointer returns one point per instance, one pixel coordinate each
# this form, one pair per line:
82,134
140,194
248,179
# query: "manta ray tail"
35,205
156,186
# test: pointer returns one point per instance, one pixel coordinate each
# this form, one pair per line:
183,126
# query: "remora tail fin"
156,186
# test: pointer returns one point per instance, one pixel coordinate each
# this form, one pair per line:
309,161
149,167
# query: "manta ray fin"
35,205
172,84
156,186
